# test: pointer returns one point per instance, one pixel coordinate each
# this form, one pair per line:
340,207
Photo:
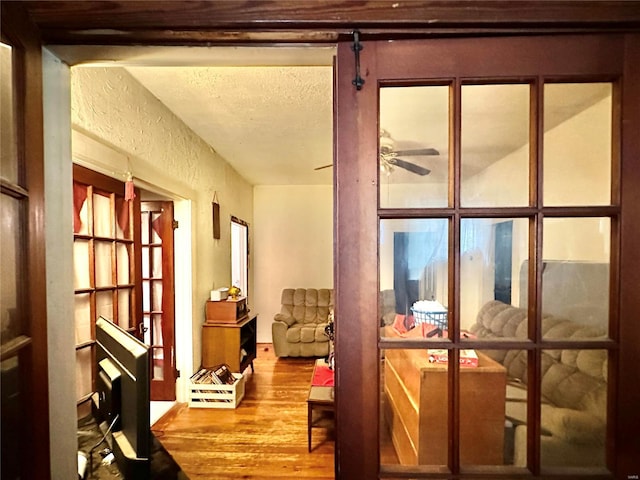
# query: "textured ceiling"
268,110
273,124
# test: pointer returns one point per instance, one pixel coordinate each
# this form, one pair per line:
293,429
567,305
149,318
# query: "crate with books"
216,387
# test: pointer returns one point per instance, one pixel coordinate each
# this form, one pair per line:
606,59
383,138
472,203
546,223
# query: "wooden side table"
320,405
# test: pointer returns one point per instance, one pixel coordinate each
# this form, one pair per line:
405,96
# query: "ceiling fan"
389,157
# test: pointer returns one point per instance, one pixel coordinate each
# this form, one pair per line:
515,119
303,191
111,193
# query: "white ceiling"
268,110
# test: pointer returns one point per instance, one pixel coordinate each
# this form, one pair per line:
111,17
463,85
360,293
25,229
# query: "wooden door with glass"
445,141
158,295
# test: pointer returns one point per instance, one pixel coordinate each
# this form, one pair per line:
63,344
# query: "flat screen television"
123,386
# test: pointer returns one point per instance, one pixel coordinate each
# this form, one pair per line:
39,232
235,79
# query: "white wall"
292,245
58,244
166,157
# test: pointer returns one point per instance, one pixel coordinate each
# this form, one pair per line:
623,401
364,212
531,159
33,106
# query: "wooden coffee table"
320,405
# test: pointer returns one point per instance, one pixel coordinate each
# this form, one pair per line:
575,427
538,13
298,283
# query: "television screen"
123,384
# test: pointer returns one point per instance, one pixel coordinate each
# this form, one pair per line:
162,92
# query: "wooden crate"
211,395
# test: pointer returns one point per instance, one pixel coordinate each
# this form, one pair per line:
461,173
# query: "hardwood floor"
265,437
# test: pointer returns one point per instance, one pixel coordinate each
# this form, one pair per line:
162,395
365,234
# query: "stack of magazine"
220,375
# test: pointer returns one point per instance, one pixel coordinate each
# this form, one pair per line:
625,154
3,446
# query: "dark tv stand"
161,466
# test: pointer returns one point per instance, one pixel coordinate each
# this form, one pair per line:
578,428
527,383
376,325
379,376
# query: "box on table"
231,310
468,358
213,395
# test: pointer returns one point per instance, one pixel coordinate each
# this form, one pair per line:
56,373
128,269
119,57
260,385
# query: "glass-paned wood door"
104,267
448,145
158,295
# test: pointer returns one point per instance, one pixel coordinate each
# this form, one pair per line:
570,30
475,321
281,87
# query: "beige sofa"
299,329
574,387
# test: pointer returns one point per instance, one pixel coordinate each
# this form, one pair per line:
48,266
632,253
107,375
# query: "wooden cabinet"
230,343
416,409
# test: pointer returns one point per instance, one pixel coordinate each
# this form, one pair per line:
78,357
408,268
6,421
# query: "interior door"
450,137
158,310
23,307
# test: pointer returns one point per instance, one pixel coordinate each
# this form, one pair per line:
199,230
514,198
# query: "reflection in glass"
482,409
495,145
414,278
575,280
573,416
414,409
577,143
493,273
8,143
10,245
414,144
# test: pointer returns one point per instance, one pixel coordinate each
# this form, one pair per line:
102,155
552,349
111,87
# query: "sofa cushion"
307,333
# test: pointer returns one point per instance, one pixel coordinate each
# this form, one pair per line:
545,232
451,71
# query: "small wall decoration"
215,206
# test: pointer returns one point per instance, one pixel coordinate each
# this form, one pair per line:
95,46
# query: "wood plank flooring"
264,438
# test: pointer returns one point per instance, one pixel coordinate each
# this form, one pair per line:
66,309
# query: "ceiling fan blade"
418,151
412,167
324,166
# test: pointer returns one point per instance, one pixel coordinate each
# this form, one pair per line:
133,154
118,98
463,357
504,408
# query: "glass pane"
81,222
10,241
146,322
81,270
575,280
103,264
495,145
82,316
13,418
494,277
414,409
414,278
123,263
144,227
123,224
8,142
573,417
158,364
155,237
157,262
84,369
577,144
124,308
157,329
414,146
146,269
102,226
146,296
482,409
104,305
157,296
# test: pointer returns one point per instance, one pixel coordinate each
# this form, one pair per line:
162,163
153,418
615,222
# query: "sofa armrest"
574,426
288,319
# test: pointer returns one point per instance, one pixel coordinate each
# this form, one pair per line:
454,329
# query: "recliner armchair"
299,329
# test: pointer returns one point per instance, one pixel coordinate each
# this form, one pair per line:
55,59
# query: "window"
240,255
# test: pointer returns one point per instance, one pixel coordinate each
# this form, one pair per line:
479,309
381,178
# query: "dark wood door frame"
205,23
